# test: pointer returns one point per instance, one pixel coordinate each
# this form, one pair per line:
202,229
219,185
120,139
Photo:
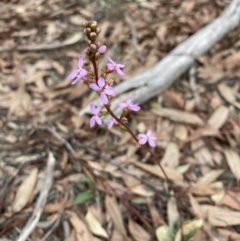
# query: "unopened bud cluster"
91,31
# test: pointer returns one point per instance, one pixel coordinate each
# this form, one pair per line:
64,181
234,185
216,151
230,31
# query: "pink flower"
78,74
144,138
95,111
112,123
103,89
128,105
114,66
102,49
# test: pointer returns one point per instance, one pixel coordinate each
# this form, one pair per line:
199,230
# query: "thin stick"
62,140
32,222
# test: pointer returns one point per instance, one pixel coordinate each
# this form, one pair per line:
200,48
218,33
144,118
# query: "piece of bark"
155,80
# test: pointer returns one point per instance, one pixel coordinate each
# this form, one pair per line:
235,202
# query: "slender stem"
136,139
130,131
95,69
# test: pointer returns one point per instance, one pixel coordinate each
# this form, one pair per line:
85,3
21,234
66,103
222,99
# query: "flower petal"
110,60
80,62
104,98
75,81
92,121
149,133
92,108
109,91
142,141
151,143
111,66
94,87
122,105
73,75
98,120
119,71
83,72
135,108
98,109
110,124
101,82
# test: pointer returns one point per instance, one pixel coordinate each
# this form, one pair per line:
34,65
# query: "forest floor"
104,186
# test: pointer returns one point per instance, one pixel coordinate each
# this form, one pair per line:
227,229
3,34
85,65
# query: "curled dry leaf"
228,94
113,211
137,232
164,233
179,116
172,212
233,161
20,103
172,174
25,191
201,152
181,132
94,225
232,61
189,229
171,156
221,217
219,117
142,190
155,214
209,177
81,230
231,199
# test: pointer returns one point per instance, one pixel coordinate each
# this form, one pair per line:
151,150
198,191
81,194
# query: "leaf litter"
125,197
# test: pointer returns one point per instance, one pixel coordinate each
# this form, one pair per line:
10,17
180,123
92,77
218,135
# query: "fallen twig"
32,222
157,79
62,140
55,225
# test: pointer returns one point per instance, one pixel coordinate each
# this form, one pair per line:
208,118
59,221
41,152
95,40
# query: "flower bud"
88,42
87,51
88,30
93,35
97,56
98,44
93,47
102,49
93,25
85,24
98,30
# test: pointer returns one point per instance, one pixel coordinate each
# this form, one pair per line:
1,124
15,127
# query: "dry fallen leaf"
231,199
25,191
81,230
190,228
209,177
179,116
171,156
219,216
113,211
228,94
219,117
137,232
172,213
95,227
181,132
21,102
172,174
233,161
232,61
201,153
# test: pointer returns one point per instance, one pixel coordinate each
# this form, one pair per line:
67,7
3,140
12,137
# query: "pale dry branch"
37,212
157,79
